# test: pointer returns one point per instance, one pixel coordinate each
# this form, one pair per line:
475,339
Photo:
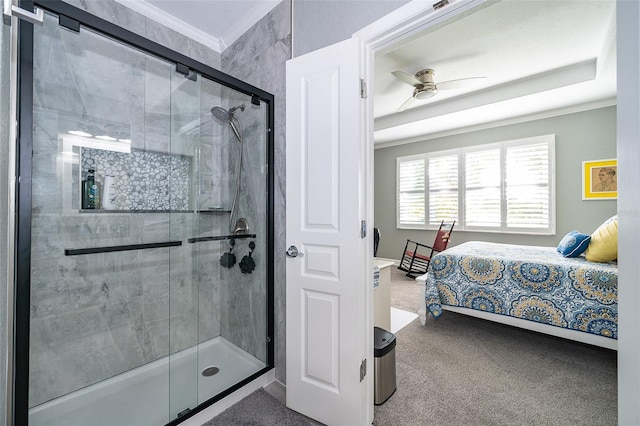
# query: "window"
443,188
502,187
411,186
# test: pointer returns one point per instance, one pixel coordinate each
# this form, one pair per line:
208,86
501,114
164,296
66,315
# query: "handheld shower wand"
225,116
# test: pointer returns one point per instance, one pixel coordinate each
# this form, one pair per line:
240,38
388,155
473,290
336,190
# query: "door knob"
292,251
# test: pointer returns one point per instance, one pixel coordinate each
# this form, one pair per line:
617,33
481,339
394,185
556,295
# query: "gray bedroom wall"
258,57
319,23
589,135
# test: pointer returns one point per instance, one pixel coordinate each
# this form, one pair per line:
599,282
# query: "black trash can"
384,365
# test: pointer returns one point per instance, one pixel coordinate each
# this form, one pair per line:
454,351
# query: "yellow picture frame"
600,180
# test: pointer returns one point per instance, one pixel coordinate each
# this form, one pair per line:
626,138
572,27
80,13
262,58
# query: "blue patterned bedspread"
532,283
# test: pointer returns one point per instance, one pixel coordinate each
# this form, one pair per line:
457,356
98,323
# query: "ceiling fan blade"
459,83
406,104
405,77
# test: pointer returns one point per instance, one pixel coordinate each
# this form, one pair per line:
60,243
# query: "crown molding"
572,109
249,20
174,23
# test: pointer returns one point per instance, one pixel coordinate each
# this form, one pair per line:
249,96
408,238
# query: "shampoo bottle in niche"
109,193
90,191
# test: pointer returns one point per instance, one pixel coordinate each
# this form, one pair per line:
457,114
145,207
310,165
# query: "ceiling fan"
425,87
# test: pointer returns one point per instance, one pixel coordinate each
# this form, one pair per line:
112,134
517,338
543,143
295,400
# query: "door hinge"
68,23
363,369
186,71
363,89
363,229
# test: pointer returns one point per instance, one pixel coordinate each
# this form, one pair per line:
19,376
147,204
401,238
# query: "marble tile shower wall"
139,24
243,309
96,316
258,57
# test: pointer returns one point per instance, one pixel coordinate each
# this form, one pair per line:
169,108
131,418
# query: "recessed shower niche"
125,307
143,180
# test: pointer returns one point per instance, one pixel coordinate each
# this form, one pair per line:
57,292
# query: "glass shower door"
5,162
184,144
146,179
100,257
218,294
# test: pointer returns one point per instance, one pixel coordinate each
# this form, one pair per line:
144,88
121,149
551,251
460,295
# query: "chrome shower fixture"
241,226
225,116
233,109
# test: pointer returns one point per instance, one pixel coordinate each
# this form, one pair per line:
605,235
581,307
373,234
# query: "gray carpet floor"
459,370
259,409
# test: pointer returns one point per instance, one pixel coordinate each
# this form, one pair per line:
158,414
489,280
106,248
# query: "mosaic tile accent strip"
144,180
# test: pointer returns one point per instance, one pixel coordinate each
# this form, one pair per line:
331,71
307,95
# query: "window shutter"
411,191
443,188
527,186
482,188
499,187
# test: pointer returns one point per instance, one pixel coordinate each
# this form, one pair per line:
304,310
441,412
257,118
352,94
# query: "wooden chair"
416,257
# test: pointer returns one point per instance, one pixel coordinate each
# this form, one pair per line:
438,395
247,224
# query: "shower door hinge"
68,23
186,71
363,89
363,369
363,229
183,412
9,10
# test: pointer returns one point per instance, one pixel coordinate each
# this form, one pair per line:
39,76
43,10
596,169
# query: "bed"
526,286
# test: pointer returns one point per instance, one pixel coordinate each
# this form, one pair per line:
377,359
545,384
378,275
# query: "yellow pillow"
604,242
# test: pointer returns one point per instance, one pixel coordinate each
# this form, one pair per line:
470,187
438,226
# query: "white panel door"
326,313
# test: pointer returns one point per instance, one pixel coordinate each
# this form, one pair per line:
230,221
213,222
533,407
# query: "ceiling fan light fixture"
425,93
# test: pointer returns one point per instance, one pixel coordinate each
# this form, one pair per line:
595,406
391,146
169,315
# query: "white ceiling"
539,57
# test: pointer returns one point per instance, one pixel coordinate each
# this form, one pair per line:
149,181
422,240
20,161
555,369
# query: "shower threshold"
142,396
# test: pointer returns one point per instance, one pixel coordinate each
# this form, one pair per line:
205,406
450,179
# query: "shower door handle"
292,251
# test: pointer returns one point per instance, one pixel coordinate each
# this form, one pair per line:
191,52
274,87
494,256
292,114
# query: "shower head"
225,116
220,114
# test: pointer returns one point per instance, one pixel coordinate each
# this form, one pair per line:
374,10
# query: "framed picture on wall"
600,180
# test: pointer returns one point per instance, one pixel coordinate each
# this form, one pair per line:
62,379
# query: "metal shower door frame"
19,295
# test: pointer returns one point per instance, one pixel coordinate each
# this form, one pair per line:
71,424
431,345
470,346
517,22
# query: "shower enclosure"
155,299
